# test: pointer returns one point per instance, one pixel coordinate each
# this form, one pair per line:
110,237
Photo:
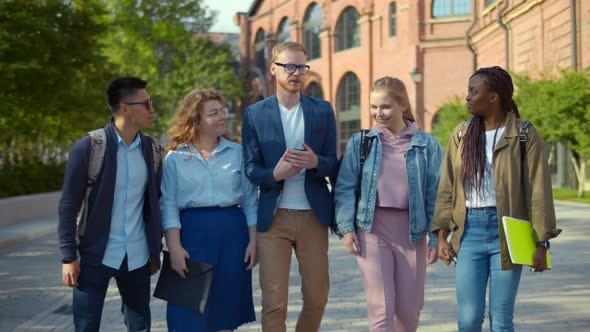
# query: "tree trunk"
58,140
551,153
582,177
580,170
39,147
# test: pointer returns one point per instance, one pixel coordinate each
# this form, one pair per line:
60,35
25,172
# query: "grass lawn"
571,195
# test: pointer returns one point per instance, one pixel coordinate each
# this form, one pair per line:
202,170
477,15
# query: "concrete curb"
15,234
572,204
17,209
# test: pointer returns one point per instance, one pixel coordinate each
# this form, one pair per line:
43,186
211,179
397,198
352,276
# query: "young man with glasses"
121,236
289,144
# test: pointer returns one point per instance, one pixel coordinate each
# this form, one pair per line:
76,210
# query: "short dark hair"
121,88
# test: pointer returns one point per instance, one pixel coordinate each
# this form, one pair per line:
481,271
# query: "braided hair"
473,155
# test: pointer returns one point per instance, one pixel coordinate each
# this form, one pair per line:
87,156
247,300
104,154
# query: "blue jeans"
134,287
478,261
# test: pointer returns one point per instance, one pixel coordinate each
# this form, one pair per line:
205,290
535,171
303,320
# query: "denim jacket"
423,163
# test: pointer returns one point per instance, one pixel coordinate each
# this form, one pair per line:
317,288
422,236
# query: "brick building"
432,45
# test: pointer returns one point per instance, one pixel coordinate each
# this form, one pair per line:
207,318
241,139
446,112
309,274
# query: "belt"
294,210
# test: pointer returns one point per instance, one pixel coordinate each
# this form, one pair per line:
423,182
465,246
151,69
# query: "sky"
226,10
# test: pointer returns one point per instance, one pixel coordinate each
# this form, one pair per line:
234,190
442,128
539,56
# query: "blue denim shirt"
188,181
423,162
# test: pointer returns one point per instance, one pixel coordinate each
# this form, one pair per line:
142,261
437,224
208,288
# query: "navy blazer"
263,141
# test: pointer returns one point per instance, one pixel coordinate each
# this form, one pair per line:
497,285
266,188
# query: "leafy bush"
447,118
30,178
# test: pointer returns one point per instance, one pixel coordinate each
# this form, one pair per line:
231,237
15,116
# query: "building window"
347,30
315,90
392,19
348,106
448,8
312,25
284,33
260,50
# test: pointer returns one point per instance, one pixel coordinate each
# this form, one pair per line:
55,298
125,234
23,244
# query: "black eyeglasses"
147,104
291,68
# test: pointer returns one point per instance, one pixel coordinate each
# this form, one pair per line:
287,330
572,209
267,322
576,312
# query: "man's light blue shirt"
127,233
189,181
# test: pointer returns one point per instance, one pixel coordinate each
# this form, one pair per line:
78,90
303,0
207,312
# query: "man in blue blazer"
289,143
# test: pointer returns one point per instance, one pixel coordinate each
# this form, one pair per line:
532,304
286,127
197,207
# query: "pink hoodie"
392,186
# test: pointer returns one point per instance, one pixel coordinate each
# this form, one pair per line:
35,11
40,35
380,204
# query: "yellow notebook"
521,243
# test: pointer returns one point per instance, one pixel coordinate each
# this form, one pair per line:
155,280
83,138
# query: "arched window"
314,89
284,33
348,106
312,25
392,19
348,34
260,50
448,8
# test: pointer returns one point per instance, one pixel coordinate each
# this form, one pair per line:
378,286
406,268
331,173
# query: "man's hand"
70,273
351,243
284,169
302,159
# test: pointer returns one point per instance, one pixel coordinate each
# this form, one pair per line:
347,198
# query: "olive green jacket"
522,191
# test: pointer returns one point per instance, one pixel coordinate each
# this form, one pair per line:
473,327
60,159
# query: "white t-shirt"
293,195
487,195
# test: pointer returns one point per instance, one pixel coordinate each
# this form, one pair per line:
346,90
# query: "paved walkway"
32,297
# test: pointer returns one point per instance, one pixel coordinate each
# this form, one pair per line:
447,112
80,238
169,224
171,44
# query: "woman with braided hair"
484,178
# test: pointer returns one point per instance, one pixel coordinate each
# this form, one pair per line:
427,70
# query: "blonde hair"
286,46
184,126
396,89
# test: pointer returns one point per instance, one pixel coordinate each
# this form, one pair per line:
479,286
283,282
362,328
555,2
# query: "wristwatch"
69,260
544,244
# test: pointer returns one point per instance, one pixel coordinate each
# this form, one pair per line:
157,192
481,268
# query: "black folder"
191,292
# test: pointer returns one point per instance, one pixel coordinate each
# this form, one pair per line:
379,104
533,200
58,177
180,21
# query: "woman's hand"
540,260
445,251
251,255
178,257
431,255
351,243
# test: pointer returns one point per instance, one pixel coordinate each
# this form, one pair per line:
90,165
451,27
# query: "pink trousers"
394,272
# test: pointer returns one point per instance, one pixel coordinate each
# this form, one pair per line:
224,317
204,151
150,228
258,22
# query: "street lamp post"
416,76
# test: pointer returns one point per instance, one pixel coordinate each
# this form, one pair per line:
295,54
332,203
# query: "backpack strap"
463,129
365,147
98,144
522,138
158,153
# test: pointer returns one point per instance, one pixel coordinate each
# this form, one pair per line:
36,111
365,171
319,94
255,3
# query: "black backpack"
365,147
522,136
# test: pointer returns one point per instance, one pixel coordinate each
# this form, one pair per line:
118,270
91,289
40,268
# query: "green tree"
447,118
50,72
154,40
559,107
